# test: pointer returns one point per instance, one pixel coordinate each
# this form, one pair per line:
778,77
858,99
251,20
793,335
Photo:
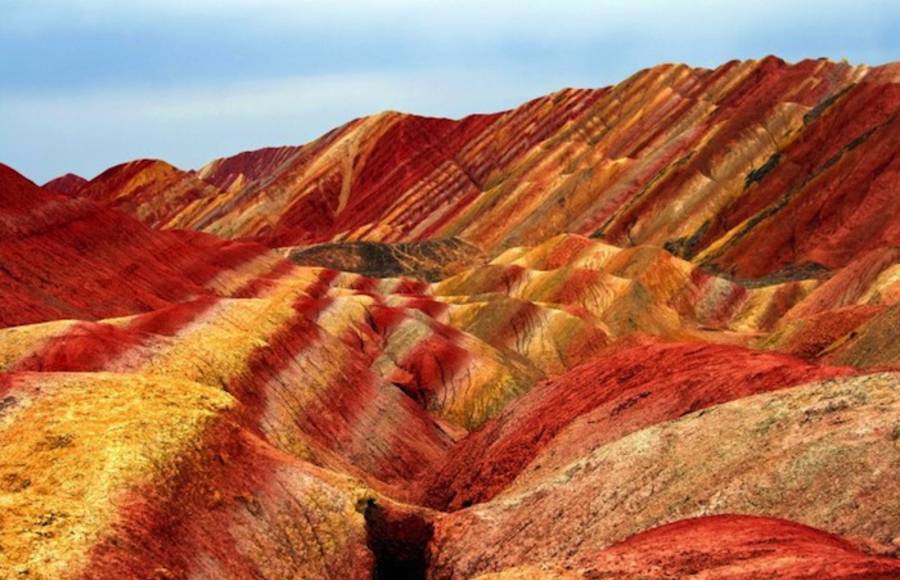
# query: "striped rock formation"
648,330
755,168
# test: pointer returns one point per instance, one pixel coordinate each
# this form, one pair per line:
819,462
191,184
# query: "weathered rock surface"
430,260
601,401
723,547
819,455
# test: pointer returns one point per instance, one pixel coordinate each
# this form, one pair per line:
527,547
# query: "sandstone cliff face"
648,330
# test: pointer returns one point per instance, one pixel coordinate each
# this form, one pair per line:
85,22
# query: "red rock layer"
623,390
734,546
68,258
249,166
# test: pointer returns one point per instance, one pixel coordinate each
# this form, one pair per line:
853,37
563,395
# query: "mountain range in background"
648,330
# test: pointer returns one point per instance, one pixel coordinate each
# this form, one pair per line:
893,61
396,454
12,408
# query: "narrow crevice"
399,542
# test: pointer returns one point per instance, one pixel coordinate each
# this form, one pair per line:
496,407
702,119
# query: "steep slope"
755,169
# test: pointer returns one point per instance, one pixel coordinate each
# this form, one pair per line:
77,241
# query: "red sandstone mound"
68,184
151,190
69,258
616,393
735,546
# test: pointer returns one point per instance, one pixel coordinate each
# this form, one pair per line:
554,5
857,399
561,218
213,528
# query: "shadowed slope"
68,184
430,260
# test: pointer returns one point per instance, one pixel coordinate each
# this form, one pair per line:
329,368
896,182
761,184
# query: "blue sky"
85,84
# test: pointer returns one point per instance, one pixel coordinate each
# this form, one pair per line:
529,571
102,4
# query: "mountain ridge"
324,191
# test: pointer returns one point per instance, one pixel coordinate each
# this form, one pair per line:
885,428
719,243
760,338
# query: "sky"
87,84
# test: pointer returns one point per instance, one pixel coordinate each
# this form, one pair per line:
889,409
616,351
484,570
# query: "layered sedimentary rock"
65,257
648,330
755,168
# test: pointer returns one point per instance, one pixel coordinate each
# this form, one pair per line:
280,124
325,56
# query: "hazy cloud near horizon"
85,84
